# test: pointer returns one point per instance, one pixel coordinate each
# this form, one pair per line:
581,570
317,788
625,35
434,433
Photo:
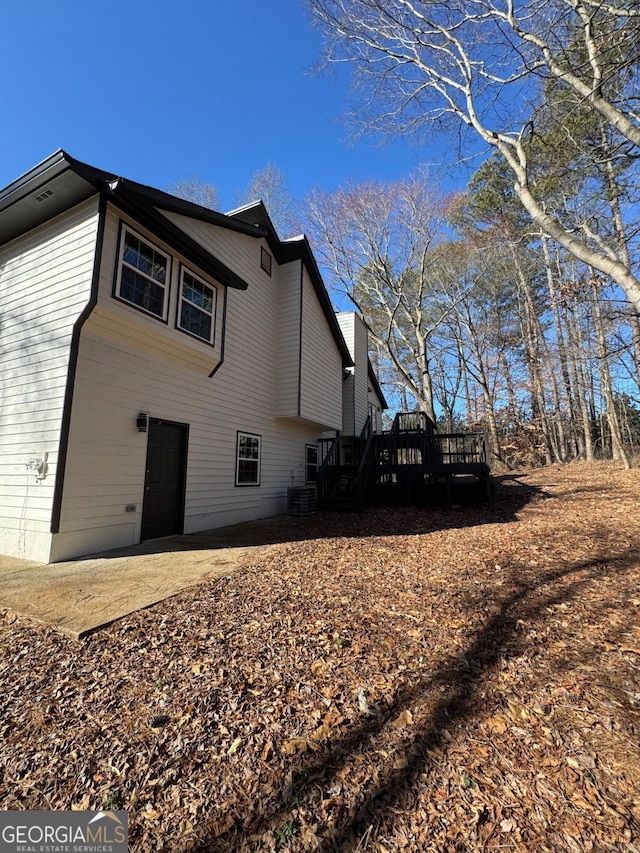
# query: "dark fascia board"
299,249
131,203
376,385
256,216
40,174
21,209
81,181
96,178
166,201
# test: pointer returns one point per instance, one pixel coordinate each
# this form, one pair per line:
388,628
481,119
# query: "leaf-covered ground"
401,680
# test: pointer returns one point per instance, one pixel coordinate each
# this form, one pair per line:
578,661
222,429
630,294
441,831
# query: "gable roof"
61,182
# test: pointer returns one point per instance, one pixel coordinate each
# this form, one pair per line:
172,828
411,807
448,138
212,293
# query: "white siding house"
164,368
362,396
45,283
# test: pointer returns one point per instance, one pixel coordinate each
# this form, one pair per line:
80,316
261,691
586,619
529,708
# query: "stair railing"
365,466
331,460
412,422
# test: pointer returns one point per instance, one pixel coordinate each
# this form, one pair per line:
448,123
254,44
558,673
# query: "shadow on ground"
510,495
458,683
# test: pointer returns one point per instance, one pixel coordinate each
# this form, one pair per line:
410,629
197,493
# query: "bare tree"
381,246
195,190
481,64
269,186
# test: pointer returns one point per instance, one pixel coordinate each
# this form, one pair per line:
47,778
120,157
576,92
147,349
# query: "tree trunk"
618,449
480,376
575,366
560,341
609,266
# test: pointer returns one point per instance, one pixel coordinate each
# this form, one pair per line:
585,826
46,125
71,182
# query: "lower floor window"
248,459
311,463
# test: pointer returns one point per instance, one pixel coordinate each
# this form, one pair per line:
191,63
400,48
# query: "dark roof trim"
131,203
166,201
75,182
300,249
376,385
256,216
34,178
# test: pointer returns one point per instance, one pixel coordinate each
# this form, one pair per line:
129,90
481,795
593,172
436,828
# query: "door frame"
182,494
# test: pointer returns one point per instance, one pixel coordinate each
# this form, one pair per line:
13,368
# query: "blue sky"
157,91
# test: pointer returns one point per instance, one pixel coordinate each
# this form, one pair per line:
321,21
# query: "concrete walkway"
80,596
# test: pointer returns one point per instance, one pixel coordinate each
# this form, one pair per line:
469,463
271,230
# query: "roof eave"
129,201
376,385
300,249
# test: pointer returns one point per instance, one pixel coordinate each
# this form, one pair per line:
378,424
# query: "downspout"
300,341
224,334
63,447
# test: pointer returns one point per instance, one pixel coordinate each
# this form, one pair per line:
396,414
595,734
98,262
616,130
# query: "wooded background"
514,306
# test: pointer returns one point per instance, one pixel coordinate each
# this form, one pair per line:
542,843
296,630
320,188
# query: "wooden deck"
402,465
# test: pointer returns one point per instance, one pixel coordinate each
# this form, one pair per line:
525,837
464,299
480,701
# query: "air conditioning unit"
301,500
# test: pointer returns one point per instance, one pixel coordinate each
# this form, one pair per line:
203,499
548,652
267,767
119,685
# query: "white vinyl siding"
239,252
309,362
45,283
142,330
289,293
356,385
321,364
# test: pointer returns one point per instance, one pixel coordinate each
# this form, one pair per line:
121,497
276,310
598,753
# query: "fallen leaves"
378,682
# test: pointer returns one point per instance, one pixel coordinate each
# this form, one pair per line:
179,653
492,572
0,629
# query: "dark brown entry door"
164,487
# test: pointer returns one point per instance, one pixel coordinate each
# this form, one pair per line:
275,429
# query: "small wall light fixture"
142,421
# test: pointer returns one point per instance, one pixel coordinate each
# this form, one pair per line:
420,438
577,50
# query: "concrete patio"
83,595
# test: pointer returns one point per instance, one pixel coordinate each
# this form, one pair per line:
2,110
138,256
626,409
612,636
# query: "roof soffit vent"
44,195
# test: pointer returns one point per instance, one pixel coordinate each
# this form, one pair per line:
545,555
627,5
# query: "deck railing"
463,448
352,466
412,422
430,451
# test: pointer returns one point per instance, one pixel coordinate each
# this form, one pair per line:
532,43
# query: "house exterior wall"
45,283
375,411
289,340
309,363
123,368
355,404
321,364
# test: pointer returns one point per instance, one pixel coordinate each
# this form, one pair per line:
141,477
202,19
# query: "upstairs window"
248,459
143,275
197,308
